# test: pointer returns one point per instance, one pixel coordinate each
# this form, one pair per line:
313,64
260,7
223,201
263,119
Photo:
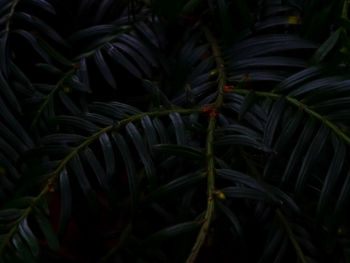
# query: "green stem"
211,187
122,123
123,237
290,234
345,9
25,213
53,175
108,39
50,96
10,15
302,106
210,160
219,67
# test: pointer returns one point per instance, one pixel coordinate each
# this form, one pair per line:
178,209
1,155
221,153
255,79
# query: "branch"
50,96
51,177
219,66
10,15
299,105
209,147
123,238
290,234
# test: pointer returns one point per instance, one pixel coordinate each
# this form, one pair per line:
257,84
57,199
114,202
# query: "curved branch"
53,175
302,106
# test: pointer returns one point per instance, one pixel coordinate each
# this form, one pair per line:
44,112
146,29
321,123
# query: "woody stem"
209,148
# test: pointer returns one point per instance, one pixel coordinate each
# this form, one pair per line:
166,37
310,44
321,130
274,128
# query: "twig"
209,147
51,177
290,234
302,106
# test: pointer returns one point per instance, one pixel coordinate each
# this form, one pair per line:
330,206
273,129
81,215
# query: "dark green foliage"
174,131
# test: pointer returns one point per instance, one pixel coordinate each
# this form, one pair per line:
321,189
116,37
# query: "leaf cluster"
174,131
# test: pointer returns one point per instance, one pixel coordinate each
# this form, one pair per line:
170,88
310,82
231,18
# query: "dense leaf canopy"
174,131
